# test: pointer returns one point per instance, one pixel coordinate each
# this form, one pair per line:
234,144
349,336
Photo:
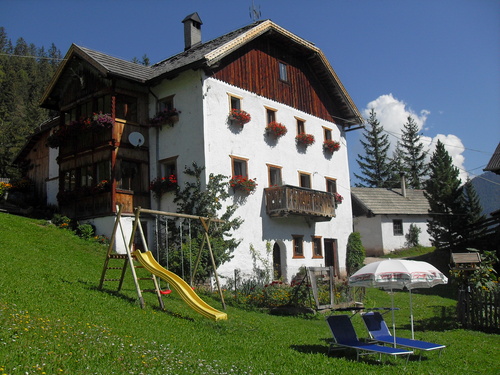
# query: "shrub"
355,253
412,236
85,231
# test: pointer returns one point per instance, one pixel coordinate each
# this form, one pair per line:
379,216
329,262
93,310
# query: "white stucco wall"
378,237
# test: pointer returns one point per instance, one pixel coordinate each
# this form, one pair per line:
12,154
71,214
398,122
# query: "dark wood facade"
255,67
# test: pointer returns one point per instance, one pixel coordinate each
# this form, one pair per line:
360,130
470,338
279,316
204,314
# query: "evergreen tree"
398,167
355,253
415,167
375,167
442,190
471,214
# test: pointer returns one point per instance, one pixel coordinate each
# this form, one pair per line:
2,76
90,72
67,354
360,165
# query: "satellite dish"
136,139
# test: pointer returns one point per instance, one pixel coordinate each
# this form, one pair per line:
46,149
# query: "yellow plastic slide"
183,288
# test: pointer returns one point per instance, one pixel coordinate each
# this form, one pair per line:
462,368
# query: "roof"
494,163
379,201
33,138
209,54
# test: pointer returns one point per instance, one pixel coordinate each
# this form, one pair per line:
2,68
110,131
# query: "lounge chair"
345,338
379,331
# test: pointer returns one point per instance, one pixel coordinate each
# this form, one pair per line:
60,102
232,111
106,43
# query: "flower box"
161,185
239,116
276,129
305,139
242,183
337,198
165,117
331,146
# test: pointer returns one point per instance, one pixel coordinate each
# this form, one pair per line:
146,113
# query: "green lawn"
55,321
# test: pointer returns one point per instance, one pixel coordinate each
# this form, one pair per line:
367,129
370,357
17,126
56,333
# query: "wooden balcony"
286,200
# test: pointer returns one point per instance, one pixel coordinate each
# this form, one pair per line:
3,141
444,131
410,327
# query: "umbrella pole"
393,321
411,318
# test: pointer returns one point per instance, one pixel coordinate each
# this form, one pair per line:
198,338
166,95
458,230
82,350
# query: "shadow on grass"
444,318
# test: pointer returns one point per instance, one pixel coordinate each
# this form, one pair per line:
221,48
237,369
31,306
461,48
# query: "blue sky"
436,60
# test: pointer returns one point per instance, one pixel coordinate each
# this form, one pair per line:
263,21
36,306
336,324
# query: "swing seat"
168,291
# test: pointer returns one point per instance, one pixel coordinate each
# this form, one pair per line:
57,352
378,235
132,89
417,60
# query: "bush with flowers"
165,117
245,184
239,116
331,145
305,139
161,185
276,129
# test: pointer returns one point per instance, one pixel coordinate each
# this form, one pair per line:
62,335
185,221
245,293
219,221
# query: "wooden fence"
479,309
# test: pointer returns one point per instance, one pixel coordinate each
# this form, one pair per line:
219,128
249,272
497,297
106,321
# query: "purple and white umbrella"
393,274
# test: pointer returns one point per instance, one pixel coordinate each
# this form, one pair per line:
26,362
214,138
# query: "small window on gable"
317,247
283,72
305,180
397,227
331,185
298,246
301,126
239,167
274,175
271,115
328,134
234,102
166,103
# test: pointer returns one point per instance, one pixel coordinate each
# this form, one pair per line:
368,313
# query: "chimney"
403,184
192,31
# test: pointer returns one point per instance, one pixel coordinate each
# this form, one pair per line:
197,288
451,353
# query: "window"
317,247
271,115
331,185
301,126
168,167
239,166
283,72
166,103
234,102
103,171
126,108
397,227
129,175
327,134
274,175
104,104
86,176
304,180
298,246
69,180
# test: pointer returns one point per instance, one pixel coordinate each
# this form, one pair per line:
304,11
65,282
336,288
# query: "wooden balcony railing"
286,200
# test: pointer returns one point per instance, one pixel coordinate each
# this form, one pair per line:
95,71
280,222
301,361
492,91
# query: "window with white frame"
397,227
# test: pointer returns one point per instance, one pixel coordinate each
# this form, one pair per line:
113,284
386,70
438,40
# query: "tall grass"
54,320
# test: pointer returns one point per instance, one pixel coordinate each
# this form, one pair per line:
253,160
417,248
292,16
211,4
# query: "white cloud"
393,114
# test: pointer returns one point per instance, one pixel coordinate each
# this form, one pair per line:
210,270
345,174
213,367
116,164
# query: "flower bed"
245,184
331,146
276,129
305,139
239,116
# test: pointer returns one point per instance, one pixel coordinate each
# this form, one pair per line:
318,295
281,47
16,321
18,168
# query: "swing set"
148,262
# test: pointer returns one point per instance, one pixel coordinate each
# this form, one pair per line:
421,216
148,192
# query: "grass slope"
55,321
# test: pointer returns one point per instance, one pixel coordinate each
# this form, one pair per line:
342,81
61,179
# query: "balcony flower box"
239,116
161,185
165,117
337,198
101,121
305,139
331,145
245,184
276,129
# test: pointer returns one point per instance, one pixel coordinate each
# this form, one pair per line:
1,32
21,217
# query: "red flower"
330,145
277,129
305,139
240,116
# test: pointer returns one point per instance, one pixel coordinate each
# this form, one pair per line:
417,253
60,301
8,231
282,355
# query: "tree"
199,200
355,256
415,167
375,167
471,214
442,190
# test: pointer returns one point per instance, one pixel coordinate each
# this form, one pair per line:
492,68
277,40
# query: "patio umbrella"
393,274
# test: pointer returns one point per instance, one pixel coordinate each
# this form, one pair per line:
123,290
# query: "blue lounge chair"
379,331
345,338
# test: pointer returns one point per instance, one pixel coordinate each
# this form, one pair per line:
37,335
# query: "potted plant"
161,185
305,139
165,117
239,116
337,198
242,183
101,120
331,145
276,129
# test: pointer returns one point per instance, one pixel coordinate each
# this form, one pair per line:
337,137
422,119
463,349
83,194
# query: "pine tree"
471,214
415,167
398,167
375,167
442,190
